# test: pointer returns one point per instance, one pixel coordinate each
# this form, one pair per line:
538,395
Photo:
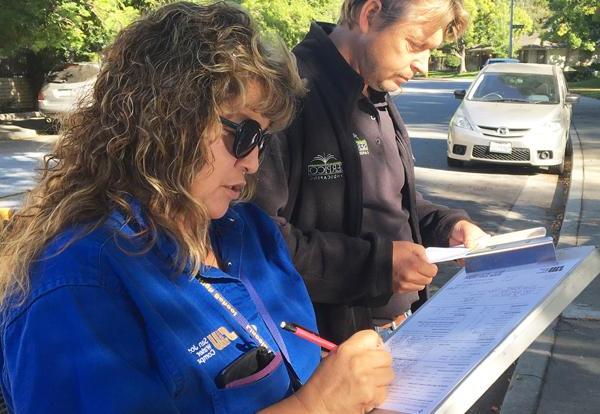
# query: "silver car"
66,87
513,113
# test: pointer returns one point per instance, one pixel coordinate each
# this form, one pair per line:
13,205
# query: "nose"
421,63
249,164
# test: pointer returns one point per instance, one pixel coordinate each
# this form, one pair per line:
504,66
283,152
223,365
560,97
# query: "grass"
589,88
450,75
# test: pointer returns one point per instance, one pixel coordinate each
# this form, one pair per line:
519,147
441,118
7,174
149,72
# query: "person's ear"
368,15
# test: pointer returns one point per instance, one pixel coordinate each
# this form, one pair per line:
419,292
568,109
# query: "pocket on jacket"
255,392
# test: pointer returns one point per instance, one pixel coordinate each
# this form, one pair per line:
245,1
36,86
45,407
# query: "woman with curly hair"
133,279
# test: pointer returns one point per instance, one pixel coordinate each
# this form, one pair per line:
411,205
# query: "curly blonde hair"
450,13
156,102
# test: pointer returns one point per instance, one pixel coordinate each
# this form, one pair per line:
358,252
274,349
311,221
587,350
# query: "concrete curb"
20,115
524,391
15,132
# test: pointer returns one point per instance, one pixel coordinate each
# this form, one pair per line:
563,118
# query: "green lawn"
450,75
589,88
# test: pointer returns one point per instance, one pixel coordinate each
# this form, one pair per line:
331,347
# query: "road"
19,160
498,198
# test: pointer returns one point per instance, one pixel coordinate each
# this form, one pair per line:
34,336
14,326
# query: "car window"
517,87
501,60
73,73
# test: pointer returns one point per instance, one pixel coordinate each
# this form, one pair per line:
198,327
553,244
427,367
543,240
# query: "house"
535,50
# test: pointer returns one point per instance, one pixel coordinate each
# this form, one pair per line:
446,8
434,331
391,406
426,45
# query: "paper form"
445,254
460,326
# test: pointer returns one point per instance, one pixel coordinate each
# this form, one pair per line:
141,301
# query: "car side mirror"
571,98
460,93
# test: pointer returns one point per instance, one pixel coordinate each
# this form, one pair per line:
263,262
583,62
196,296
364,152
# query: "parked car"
66,87
513,113
499,60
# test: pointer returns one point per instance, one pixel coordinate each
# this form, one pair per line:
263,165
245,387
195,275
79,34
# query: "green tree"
575,23
489,27
290,20
45,32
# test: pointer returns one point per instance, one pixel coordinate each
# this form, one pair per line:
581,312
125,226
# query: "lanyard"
239,318
266,316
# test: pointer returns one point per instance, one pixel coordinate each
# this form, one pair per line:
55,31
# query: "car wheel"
454,163
569,147
558,169
52,126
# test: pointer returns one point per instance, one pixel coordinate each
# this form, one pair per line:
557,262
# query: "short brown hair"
450,12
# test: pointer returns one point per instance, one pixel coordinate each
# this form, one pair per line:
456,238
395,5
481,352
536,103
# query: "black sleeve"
337,269
436,222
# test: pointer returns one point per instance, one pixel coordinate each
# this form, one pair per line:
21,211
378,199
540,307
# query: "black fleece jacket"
310,181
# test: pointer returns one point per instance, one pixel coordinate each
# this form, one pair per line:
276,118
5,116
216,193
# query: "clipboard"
457,344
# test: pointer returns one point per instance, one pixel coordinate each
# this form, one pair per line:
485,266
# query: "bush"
579,74
452,61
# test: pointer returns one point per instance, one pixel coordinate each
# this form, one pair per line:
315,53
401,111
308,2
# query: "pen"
308,335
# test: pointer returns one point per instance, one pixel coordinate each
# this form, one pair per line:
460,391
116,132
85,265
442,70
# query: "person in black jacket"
340,179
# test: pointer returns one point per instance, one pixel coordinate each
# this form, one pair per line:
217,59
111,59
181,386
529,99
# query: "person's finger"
377,359
418,278
383,376
380,395
363,340
408,288
427,269
476,241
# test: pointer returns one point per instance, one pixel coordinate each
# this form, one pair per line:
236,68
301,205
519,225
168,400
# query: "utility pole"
510,34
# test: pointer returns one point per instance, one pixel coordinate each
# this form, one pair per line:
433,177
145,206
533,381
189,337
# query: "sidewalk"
560,372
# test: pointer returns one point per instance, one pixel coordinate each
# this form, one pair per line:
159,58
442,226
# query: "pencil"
308,335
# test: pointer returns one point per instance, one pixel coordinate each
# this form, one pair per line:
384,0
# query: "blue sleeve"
81,349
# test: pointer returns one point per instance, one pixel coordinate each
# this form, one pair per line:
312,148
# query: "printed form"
462,324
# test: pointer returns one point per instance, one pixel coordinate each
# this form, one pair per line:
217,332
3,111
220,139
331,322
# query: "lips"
235,190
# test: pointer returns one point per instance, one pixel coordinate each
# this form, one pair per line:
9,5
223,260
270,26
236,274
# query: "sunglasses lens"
248,136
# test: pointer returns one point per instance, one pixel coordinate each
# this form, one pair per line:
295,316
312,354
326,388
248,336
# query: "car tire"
454,163
558,169
569,147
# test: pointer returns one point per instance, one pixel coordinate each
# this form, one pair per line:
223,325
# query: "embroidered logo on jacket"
361,144
221,338
325,167
208,346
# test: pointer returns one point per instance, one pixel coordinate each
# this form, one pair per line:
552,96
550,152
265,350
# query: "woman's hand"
352,379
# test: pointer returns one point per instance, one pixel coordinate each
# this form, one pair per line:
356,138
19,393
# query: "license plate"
501,147
63,93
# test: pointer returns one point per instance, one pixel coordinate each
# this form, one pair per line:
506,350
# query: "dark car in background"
491,61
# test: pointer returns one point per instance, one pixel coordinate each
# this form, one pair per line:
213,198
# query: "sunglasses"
247,136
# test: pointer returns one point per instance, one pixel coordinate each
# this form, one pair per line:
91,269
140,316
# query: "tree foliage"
489,22
76,28
290,19
575,23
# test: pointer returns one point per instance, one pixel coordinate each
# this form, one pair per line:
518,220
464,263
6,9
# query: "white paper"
445,254
462,324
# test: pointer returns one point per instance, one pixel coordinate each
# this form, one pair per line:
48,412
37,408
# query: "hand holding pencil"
354,378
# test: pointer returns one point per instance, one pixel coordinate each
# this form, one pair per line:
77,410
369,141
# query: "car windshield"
517,87
73,73
503,60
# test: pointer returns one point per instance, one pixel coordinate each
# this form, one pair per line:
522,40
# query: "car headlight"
461,121
552,126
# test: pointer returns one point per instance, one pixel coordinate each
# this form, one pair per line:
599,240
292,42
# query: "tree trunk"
463,58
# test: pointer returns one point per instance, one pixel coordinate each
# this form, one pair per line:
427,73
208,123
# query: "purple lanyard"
266,316
241,320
